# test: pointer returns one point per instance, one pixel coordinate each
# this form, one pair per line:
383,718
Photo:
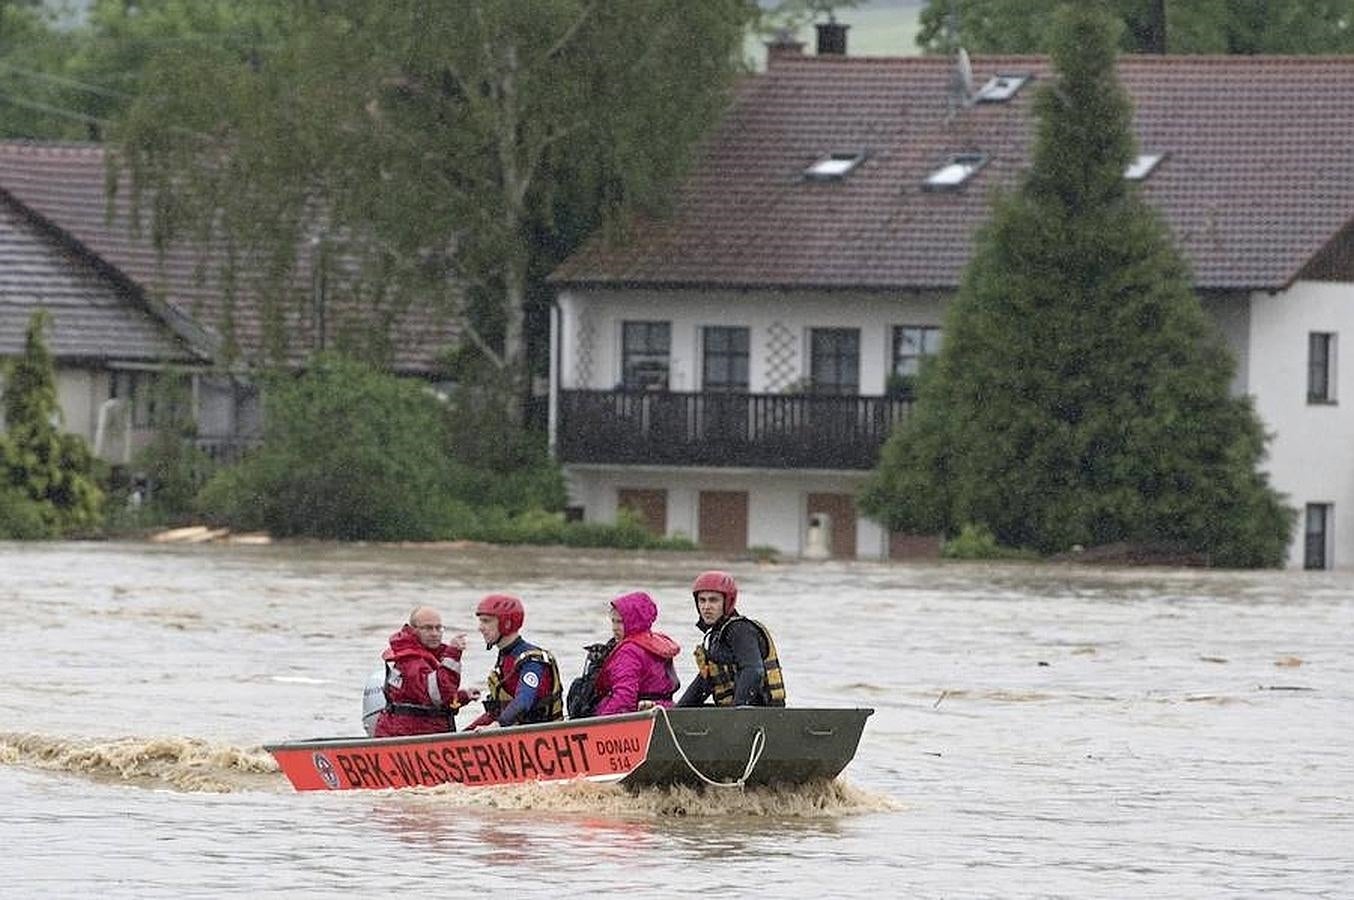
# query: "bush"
538,526
978,542
21,518
348,453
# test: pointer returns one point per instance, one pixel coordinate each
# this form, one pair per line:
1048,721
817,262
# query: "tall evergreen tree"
52,469
1082,394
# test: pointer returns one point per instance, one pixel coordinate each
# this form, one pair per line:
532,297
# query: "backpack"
582,698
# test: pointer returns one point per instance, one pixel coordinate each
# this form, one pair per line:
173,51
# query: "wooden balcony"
781,431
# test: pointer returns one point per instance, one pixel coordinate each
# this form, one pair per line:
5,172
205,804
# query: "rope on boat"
754,755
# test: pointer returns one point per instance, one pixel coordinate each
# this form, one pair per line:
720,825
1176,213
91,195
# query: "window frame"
1317,544
837,387
632,356
730,356
1321,360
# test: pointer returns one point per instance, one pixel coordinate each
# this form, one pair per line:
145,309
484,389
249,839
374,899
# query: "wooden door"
842,509
723,521
651,506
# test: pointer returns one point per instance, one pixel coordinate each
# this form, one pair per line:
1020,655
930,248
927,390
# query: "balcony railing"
784,431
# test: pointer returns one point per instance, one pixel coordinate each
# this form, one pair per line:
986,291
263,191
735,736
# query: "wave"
817,799
185,764
194,765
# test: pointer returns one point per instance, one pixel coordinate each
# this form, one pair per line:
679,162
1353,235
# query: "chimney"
831,38
783,46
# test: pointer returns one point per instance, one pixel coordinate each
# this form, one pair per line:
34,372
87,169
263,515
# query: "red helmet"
720,582
507,608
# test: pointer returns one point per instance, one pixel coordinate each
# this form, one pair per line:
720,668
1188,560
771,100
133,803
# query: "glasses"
427,627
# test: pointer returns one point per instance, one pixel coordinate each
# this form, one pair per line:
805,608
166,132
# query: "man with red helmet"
525,684
737,661
422,678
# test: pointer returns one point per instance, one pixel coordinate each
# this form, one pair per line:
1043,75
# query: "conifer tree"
52,469
1082,394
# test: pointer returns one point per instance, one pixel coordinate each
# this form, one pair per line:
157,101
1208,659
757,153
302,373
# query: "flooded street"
1039,731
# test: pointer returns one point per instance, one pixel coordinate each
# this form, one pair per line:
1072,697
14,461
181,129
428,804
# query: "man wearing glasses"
422,678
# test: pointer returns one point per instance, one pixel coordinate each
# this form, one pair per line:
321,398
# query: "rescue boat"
695,746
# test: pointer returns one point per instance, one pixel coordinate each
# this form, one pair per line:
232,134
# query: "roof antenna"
961,83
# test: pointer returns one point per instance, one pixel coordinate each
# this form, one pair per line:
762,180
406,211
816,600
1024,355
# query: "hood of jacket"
637,610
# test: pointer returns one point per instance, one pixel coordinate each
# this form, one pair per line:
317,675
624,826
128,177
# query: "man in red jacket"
423,678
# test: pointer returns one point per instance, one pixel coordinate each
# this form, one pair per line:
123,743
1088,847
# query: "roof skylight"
957,170
1001,88
834,166
1143,166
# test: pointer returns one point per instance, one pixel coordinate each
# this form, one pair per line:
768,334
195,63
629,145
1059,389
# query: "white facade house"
829,220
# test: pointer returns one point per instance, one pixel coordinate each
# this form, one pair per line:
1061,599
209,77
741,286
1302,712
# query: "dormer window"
957,170
1000,88
834,166
1142,166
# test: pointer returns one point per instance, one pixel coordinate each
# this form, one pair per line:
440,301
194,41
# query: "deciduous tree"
1190,26
451,152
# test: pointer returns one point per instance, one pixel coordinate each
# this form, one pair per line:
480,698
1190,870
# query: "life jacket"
723,676
503,686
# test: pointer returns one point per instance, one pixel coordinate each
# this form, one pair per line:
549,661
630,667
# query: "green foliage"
977,542
541,527
53,469
1082,395
348,453
1196,26
21,517
456,150
174,467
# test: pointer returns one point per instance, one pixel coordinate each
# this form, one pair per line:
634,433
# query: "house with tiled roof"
91,263
731,370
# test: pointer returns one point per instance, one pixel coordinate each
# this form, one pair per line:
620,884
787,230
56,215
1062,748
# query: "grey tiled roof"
65,184
1259,176
93,317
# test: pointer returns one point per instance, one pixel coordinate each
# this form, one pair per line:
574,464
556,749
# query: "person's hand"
645,704
458,642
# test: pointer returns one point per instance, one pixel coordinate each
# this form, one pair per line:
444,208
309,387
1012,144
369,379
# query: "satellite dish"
963,74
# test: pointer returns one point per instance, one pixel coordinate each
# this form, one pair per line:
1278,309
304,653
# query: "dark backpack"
582,698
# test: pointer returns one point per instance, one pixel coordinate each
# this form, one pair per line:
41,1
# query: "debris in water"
1288,662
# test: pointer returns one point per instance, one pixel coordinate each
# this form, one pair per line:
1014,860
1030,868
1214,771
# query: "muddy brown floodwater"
1039,731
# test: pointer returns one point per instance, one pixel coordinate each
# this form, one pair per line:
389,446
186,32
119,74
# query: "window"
910,344
645,356
834,361
726,359
1000,88
152,399
1320,367
1142,166
1317,536
833,167
957,170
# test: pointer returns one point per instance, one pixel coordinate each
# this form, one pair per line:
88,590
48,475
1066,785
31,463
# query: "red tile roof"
1259,175
64,185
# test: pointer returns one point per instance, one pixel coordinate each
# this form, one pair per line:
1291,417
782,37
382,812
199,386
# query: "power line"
66,82
55,110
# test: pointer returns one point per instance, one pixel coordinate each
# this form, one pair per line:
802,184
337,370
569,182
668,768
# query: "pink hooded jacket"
640,667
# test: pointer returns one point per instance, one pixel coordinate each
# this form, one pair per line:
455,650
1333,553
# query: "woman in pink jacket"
639,668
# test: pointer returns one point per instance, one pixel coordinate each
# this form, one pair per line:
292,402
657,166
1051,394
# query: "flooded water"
1039,731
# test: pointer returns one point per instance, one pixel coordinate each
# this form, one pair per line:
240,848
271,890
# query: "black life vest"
722,677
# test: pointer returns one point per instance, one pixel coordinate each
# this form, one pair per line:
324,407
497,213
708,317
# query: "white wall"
590,336
1310,457
777,500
